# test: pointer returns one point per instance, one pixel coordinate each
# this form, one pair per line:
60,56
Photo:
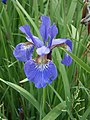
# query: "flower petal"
43,50
23,52
26,29
69,43
67,60
40,74
45,27
4,1
52,32
38,41
57,42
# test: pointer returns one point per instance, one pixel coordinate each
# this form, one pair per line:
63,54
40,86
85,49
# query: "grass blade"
79,61
28,16
85,115
24,93
71,11
55,112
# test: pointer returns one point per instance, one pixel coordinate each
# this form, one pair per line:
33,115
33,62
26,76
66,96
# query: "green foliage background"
68,97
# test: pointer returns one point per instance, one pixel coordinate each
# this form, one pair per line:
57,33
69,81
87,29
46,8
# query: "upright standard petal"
44,28
52,32
40,74
26,29
4,1
23,52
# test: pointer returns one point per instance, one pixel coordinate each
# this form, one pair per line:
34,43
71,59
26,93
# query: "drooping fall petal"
40,74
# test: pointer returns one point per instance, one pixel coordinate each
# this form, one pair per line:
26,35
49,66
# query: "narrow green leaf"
59,97
64,75
28,16
22,18
55,112
63,72
71,11
85,115
79,61
46,9
24,93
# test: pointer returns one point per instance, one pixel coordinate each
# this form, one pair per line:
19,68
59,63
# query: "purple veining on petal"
41,70
23,52
40,74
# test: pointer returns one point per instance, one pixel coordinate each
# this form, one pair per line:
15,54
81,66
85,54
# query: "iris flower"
41,70
4,1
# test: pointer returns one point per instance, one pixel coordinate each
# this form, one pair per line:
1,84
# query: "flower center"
42,60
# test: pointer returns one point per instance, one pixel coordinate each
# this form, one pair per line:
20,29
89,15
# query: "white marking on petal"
24,47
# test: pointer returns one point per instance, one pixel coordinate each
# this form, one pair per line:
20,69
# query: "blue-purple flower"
41,70
4,1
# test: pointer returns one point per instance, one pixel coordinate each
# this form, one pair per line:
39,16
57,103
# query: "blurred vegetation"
68,97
